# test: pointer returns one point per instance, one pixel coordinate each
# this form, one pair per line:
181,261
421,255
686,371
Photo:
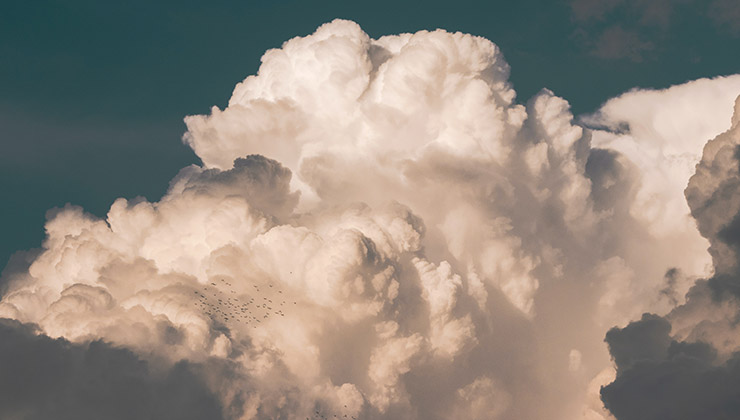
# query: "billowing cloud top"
378,230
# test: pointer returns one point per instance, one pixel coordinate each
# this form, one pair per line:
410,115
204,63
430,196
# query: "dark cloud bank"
42,378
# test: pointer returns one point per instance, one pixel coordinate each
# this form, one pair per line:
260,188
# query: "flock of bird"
221,302
319,415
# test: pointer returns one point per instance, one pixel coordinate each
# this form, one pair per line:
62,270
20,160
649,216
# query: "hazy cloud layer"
726,14
633,29
379,230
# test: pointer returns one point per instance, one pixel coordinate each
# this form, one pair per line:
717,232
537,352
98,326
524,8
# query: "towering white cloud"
693,352
379,230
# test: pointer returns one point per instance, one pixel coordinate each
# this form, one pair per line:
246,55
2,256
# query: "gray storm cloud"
93,380
379,230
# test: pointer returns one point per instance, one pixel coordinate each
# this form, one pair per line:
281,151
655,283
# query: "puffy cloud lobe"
656,132
341,93
440,288
265,184
712,195
481,399
377,230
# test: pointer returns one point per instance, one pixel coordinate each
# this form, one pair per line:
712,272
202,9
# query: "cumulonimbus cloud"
379,230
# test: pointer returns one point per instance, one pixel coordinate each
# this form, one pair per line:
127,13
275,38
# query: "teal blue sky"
92,94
